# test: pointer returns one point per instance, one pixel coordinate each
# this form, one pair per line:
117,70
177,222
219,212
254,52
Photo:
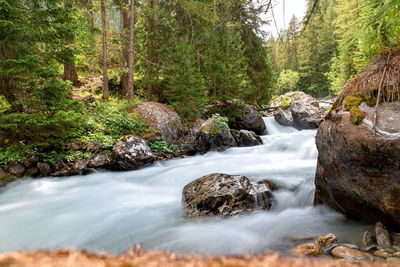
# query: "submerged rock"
163,119
358,171
131,153
223,194
308,249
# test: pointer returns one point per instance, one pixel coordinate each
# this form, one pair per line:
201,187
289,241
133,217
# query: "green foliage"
4,105
164,147
356,117
287,81
352,102
218,124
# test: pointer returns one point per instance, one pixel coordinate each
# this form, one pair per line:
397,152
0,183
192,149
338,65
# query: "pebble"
346,252
307,249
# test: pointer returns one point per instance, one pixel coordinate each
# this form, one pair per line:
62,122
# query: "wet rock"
44,168
250,120
308,249
16,169
31,172
6,178
350,246
371,248
327,240
132,152
215,134
329,249
367,239
246,138
357,171
342,252
382,253
163,119
356,260
99,160
396,254
284,117
382,236
62,169
30,161
78,167
223,194
393,261
307,114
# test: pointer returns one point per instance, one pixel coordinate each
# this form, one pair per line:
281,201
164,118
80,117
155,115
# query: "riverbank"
136,258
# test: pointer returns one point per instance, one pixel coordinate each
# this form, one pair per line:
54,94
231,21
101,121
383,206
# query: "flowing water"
112,211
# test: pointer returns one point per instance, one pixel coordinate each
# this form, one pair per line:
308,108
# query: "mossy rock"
356,117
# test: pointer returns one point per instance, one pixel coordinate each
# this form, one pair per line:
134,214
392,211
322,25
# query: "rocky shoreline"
132,152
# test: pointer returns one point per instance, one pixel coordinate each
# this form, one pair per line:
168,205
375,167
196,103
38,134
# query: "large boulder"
307,114
6,178
163,119
215,134
288,98
223,194
132,152
358,171
250,119
246,138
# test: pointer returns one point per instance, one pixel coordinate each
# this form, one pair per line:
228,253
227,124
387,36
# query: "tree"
106,94
70,73
131,62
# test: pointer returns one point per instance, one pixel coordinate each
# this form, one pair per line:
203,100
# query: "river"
111,211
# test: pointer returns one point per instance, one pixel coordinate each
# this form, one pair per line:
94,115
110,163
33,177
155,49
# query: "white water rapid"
112,211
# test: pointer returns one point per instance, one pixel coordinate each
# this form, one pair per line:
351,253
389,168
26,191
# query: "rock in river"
223,194
358,171
308,249
250,120
131,153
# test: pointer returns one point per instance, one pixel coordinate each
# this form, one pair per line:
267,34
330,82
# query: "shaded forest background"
184,53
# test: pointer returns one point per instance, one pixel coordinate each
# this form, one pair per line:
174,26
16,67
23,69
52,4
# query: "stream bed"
111,211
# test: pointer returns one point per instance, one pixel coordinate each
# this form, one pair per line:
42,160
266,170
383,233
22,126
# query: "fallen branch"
380,91
268,108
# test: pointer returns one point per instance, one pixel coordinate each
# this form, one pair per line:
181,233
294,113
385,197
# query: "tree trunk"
150,52
70,73
131,62
125,45
106,94
89,13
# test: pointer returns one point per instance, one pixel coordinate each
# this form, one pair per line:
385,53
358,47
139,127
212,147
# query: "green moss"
356,117
352,102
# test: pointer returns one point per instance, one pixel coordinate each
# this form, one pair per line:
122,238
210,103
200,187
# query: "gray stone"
132,152
163,119
6,178
44,168
223,194
99,160
16,169
284,117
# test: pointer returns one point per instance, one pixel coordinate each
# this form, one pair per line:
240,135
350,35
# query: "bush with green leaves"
287,81
163,146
